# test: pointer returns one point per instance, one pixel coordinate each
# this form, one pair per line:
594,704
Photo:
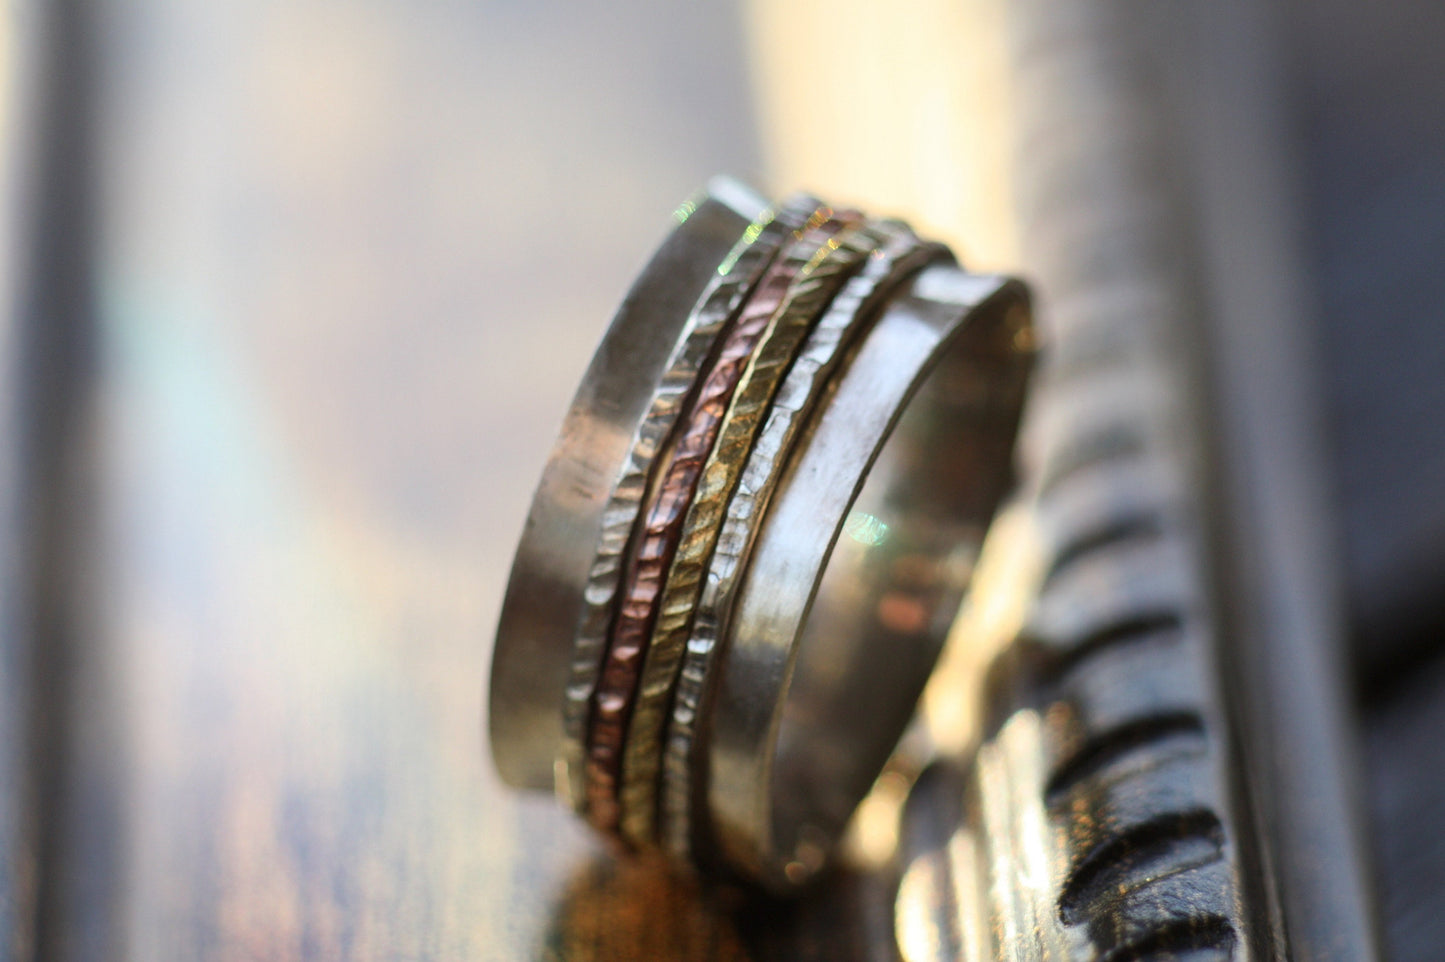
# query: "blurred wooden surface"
346,266
275,396
339,269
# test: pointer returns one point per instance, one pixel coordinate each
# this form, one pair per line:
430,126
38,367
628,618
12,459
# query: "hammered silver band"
829,541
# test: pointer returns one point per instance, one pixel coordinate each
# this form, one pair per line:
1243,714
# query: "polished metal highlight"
811,696
733,281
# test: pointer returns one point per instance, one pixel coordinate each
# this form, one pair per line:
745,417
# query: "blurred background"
299,291
327,276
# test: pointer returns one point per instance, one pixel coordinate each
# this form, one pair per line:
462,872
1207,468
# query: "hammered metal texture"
806,302
657,540
899,256
717,307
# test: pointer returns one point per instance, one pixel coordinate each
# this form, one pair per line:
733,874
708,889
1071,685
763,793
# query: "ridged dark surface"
1103,760
1111,662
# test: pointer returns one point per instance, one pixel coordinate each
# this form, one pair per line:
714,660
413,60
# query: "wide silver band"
841,558
859,567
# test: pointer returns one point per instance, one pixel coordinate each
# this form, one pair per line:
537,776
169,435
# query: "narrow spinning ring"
814,288
715,310
663,521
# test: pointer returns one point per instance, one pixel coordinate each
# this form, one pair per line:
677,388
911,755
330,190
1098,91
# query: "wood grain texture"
323,228
328,378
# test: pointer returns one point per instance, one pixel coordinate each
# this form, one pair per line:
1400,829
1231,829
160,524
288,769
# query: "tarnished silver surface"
790,753
899,255
544,599
717,306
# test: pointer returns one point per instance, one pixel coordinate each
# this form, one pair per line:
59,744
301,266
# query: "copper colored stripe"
764,242
666,511
849,314
808,298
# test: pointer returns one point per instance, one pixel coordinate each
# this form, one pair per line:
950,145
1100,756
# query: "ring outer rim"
531,658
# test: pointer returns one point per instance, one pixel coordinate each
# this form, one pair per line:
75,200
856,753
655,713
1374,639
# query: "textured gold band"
656,540
899,254
806,301
734,280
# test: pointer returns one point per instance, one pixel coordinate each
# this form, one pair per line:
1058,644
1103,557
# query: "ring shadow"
620,909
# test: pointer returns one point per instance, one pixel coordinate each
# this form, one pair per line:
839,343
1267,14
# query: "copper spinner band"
667,508
807,300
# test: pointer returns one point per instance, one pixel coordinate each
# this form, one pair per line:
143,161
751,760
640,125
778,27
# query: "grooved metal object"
1092,822
880,553
811,446
1125,799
